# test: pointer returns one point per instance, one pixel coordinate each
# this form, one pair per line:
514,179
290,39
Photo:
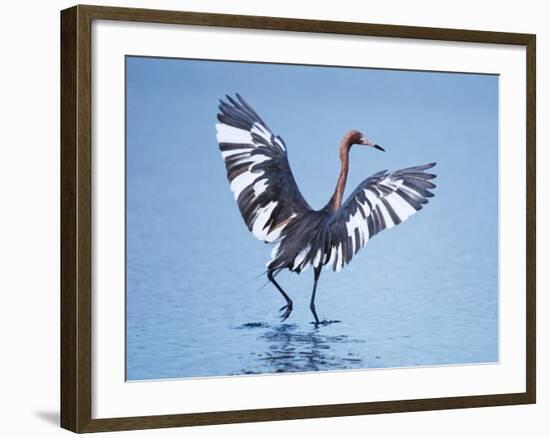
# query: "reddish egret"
276,212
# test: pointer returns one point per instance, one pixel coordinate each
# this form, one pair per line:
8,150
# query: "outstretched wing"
381,201
258,170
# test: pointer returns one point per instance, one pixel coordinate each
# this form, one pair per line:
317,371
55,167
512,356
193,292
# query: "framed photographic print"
268,218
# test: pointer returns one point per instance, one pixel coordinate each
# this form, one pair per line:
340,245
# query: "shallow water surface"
205,315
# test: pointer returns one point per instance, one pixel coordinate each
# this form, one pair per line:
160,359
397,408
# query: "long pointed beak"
367,142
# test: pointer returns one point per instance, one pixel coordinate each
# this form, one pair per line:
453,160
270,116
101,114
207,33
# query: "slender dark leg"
286,309
316,274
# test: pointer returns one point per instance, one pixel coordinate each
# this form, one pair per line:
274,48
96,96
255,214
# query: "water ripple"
290,349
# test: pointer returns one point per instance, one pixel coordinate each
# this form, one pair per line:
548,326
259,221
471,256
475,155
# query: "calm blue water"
423,293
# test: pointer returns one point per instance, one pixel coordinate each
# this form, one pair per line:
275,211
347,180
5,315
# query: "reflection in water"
289,349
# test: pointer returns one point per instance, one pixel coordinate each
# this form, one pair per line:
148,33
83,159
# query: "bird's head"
355,137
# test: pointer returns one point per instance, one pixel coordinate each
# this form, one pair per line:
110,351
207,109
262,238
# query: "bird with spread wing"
275,211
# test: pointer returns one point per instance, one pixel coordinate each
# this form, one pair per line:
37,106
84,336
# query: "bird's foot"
286,311
325,322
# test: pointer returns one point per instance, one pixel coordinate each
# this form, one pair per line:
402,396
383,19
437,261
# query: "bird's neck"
336,200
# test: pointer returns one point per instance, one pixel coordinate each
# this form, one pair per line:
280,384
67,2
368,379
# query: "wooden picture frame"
76,218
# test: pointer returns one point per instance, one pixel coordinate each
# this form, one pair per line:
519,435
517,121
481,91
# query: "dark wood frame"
76,235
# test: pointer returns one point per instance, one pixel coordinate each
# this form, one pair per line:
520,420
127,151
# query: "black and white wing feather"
380,202
258,170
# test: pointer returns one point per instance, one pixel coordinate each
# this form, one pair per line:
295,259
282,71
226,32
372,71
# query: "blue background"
422,293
